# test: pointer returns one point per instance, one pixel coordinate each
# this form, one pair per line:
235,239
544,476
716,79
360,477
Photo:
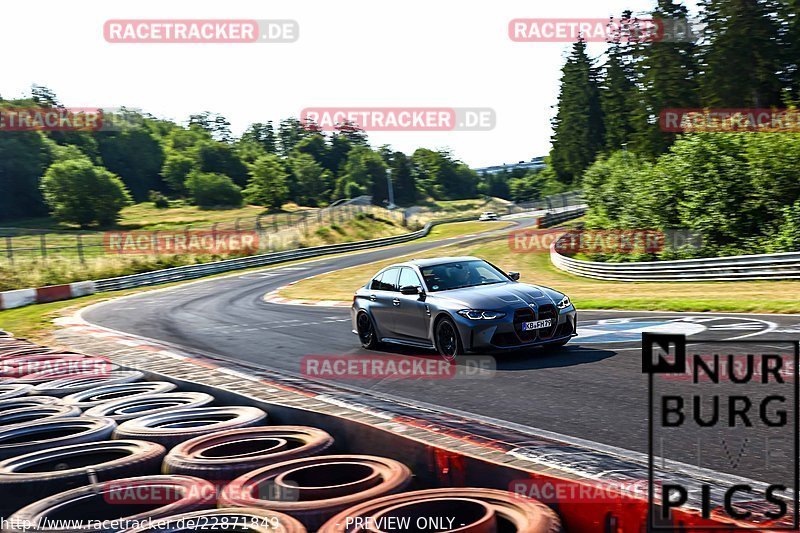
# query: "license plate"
538,324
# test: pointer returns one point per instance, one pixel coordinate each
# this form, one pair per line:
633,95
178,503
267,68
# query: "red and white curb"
52,293
274,297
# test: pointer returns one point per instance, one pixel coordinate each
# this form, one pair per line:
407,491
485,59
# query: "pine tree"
666,73
743,60
578,125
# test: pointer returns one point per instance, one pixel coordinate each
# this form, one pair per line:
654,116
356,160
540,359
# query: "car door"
410,316
383,290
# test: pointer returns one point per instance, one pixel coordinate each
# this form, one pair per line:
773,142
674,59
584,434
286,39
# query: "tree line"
740,189
85,177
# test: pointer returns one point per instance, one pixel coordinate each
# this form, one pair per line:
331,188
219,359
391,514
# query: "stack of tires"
87,446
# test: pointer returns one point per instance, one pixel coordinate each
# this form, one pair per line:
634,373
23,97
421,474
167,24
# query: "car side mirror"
410,289
514,275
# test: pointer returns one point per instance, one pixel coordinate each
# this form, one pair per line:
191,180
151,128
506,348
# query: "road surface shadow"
532,359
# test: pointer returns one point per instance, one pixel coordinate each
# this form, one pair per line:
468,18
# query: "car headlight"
564,303
479,314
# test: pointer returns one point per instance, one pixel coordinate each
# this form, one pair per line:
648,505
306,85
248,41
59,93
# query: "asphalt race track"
593,389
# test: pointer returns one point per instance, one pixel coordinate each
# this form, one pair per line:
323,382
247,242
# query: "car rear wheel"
447,341
366,331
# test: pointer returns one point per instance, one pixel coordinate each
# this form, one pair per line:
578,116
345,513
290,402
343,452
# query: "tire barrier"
27,401
64,386
133,499
173,427
313,489
227,519
226,455
26,478
149,404
474,510
14,390
95,396
51,432
67,467
24,415
52,374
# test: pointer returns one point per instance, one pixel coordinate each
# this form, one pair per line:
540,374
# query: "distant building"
534,163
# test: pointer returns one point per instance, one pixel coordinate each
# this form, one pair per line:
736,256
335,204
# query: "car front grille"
548,311
520,316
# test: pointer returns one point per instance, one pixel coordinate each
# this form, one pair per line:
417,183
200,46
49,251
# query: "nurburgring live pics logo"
730,403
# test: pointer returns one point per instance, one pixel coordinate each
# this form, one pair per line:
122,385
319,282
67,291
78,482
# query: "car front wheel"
448,342
366,331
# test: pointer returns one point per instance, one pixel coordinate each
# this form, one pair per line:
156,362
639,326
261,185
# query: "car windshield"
460,274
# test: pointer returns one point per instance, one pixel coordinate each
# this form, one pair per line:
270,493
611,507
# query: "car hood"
497,296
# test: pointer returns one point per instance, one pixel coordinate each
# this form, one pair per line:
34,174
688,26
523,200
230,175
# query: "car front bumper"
505,334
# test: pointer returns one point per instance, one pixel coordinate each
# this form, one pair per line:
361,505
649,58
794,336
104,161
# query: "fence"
276,231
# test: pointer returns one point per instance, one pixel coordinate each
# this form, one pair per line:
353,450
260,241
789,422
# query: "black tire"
25,415
13,391
64,386
88,398
226,455
27,402
29,477
367,334
135,499
52,432
448,341
149,404
227,519
173,427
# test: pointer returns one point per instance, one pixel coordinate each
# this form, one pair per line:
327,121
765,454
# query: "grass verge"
741,296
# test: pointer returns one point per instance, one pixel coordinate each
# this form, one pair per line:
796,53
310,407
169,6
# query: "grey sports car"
458,305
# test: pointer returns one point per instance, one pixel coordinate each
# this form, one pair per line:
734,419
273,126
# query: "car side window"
389,280
408,277
376,282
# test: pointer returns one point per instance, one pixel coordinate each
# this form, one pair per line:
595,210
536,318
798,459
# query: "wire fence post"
80,249
43,245
9,249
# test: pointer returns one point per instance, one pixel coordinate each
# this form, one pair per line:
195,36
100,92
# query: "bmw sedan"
458,305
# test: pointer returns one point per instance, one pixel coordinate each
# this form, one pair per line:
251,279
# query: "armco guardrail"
734,268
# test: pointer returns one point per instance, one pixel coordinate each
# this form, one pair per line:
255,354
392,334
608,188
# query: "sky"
350,53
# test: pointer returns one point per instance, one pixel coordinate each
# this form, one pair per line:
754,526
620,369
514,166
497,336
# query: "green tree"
666,70
743,58
208,189
220,158
136,157
24,156
313,182
79,192
365,168
578,124
177,167
267,185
